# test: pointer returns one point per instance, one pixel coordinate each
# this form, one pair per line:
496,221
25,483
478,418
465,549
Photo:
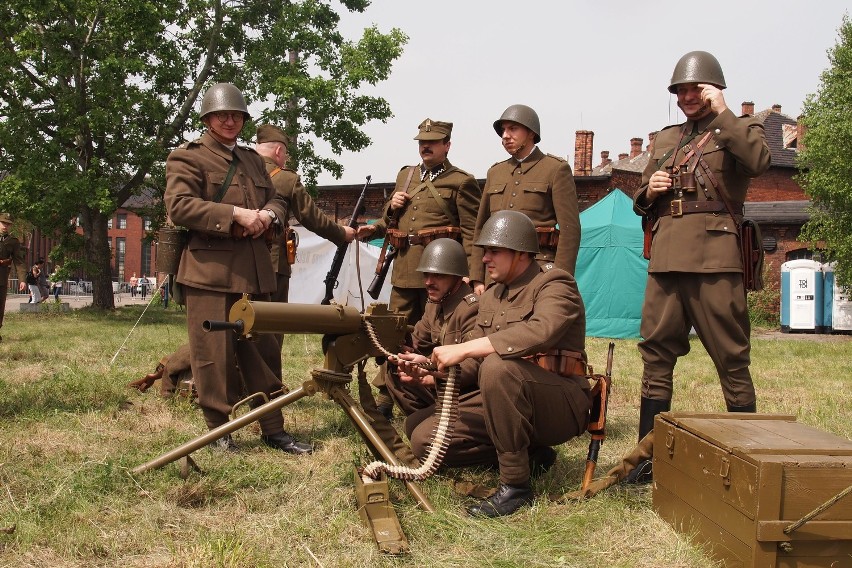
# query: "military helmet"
523,115
697,67
444,256
223,97
509,229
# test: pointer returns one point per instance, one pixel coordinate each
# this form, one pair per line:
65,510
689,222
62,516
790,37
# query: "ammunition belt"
400,240
679,208
560,361
548,237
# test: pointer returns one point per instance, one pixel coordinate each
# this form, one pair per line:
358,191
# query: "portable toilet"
837,313
801,296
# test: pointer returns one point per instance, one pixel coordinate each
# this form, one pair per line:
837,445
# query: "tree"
826,157
95,93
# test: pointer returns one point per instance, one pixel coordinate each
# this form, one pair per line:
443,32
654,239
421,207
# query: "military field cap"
6,218
434,130
269,133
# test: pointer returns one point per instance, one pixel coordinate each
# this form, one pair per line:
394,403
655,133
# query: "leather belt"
679,207
560,361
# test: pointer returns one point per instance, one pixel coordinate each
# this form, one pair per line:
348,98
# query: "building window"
120,249
147,223
121,221
800,254
109,223
146,257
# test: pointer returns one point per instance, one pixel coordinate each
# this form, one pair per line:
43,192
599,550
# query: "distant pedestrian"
143,287
11,258
32,284
43,285
133,283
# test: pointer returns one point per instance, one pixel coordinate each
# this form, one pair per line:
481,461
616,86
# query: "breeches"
526,406
224,368
715,305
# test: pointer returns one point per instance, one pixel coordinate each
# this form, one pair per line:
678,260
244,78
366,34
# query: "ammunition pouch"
548,237
400,240
560,361
751,248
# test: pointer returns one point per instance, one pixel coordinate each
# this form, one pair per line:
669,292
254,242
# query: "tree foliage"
826,157
95,93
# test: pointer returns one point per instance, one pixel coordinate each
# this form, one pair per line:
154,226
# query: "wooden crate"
733,482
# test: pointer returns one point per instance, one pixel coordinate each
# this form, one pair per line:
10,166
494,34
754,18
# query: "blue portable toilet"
802,296
837,311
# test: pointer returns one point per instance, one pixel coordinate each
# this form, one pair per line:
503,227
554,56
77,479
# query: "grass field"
70,432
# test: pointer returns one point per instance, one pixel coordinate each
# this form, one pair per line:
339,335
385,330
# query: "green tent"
611,272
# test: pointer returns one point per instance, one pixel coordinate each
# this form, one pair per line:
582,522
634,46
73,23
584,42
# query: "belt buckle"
677,207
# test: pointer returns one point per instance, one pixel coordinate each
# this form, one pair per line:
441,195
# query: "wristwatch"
272,215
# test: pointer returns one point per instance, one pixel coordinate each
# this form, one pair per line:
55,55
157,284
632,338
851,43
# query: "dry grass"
70,432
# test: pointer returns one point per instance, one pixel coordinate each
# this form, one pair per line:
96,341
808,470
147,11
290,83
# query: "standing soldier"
11,252
537,184
530,335
695,270
430,201
273,145
221,192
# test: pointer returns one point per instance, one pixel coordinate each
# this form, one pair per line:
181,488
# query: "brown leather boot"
145,382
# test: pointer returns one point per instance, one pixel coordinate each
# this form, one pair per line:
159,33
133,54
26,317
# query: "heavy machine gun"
349,339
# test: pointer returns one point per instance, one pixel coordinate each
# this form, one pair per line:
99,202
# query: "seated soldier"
530,333
449,318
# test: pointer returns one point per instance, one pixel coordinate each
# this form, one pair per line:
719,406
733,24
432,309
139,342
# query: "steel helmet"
522,114
223,97
509,229
697,67
444,256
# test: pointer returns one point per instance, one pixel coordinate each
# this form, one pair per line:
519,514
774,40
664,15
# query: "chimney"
651,136
800,133
583,142
776,108
623,156
748,108
635,147
605,161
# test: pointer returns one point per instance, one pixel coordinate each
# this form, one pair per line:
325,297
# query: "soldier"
11,253
174,372
222,193
532,182
449,319
695,270
531,336
273,145
433,200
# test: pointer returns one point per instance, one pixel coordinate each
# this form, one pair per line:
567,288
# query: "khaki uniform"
216,268
460,193
12,252
289,186
542,187
695,270
525,405
451,321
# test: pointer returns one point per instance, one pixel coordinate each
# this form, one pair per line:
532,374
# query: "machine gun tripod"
346,344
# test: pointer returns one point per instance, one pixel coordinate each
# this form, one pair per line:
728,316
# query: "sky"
581,64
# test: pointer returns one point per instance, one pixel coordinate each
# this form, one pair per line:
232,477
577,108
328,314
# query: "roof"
779,212
774,124
147,197
635,164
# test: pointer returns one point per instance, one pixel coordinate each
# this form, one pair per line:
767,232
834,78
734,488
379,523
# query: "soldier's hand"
478,287
712,96
365,232
349,233
398,200
251,221
659,184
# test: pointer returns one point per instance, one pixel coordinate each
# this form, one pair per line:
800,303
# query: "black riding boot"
649,408
747,408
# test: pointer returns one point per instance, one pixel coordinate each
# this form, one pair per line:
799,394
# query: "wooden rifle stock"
385,258
597,425
337,262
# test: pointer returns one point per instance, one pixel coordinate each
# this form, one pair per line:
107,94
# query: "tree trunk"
98,257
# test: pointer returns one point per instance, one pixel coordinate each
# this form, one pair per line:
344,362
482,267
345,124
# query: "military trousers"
715,305
225,369
410,302
525,407
4,285
469,444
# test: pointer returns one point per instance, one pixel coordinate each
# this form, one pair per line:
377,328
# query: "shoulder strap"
443,203
221,193
667,155
275,172
408,178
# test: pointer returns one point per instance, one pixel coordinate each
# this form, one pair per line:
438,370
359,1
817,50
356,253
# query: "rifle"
597,424
385,258
337,262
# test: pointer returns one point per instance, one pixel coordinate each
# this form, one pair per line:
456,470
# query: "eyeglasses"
223,116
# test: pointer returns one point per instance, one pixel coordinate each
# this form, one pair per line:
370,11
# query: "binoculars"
683,180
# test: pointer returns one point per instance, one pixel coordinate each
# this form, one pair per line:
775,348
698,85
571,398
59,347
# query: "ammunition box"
737,483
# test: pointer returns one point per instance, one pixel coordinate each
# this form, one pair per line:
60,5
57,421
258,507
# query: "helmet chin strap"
510,276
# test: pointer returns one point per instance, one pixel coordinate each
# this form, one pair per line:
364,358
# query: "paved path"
13,301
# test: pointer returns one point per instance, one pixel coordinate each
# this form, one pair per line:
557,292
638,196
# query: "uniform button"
418,197
514,194
718,131
510,349
415,208
511,205
497,327
217,226
502,313
726,227
517,182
